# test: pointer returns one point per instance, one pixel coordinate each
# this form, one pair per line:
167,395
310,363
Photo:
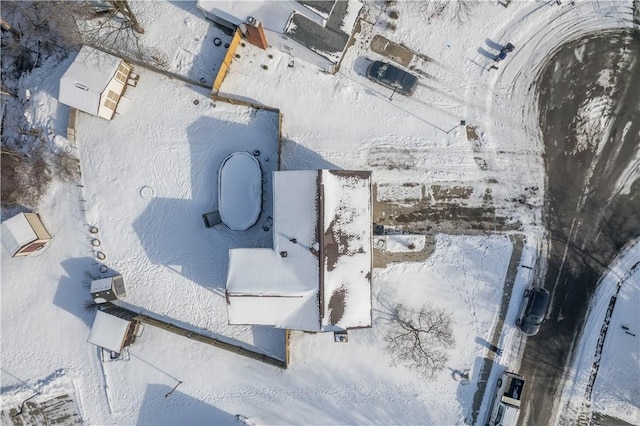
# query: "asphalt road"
589,220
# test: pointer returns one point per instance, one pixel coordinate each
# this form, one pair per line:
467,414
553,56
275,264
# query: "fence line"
194,335
226,62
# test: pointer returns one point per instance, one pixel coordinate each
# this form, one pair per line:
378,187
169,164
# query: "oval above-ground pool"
240,191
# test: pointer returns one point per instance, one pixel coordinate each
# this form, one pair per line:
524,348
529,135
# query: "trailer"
506,405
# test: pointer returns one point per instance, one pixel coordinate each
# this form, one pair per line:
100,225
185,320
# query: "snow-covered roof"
283,286
274,15
108,331
101,284
240,191
264,286
16,233
346,248
323,27
87,77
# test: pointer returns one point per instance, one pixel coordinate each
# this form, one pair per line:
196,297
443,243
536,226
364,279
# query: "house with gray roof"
314,31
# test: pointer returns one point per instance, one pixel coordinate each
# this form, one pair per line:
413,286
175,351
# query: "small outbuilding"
24,234
110,332
108,289
94,82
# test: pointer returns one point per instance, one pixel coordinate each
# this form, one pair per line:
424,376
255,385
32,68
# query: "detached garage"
24,234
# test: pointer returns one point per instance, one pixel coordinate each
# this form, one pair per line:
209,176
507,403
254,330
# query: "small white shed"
94,82
24,234
108,289
109,332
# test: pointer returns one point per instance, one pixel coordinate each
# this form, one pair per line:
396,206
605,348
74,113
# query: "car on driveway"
392,77
535,309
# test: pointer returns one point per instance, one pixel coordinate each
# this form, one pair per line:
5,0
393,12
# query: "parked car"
392,77
535,309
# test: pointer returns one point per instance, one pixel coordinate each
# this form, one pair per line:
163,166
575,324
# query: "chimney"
255,33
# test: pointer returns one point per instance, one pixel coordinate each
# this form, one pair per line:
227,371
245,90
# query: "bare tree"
8,27
47,22
108,24
457,9
419,339
115,28
122,7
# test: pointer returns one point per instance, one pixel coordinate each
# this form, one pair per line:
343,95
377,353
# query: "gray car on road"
531,317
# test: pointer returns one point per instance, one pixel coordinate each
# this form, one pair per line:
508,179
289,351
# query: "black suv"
534,312
392,77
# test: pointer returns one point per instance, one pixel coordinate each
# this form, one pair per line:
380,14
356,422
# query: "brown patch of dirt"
444,213
391,50
448,193
336,305
472,135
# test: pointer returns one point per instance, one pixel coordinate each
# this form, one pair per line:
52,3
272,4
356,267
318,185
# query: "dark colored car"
392,77
534,312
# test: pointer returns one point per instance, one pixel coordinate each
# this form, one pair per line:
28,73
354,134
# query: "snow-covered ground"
150,174
616,390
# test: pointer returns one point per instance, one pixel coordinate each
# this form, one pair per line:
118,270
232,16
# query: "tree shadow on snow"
74,289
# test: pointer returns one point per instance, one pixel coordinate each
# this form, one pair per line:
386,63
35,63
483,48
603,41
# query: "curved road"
589,148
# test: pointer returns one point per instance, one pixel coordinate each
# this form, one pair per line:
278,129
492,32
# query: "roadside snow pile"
615,391
621,354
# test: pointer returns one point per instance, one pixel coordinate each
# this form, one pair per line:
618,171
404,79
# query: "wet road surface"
590,213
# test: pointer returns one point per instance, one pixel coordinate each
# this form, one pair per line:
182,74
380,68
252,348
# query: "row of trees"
108,24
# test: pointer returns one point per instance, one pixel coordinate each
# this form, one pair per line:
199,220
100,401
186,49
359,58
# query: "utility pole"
168,394
394,92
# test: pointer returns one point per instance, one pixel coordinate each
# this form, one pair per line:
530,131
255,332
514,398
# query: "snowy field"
150,174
